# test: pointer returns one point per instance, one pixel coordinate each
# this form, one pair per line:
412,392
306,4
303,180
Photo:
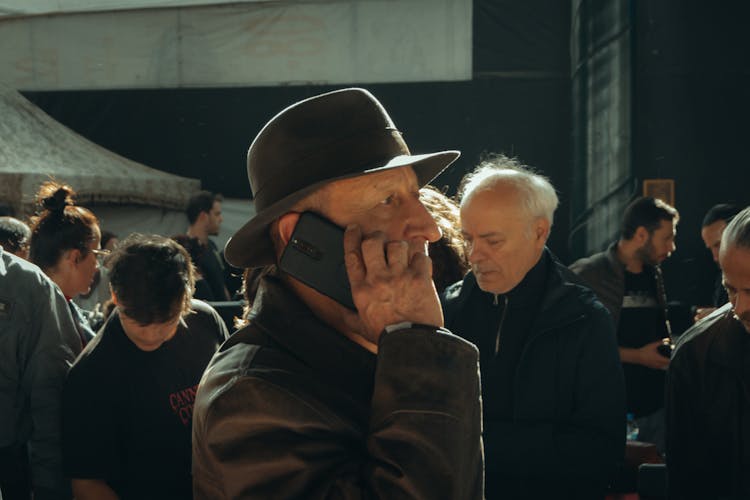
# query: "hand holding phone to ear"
391,282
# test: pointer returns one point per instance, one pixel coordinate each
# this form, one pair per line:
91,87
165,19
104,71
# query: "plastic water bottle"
631,428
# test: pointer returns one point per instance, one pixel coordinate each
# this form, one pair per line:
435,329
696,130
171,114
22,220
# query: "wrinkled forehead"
371,184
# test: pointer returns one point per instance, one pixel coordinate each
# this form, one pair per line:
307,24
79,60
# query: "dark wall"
518,103
691,105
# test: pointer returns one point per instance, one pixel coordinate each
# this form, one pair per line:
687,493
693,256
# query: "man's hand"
649,356
391,282
702,312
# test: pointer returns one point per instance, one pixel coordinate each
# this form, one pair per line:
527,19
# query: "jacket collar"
284,317
614,262
726,346
560,285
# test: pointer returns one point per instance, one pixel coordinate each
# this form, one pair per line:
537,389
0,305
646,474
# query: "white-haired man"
552,388
708,387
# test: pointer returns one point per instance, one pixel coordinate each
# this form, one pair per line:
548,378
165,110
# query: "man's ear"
641,235
287,223
72,256
541,232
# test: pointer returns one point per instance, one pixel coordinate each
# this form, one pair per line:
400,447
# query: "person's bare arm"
92,489
647,355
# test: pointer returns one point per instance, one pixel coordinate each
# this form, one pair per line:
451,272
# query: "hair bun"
57,202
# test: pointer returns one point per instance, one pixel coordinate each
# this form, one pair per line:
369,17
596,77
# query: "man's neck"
627,254
198,232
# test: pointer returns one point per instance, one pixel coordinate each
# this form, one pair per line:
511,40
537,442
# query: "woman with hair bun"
65,244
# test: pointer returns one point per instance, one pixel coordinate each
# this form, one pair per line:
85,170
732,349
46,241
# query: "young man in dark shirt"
627,279
128,399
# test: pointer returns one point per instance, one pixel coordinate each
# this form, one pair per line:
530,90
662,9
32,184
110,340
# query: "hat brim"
251,245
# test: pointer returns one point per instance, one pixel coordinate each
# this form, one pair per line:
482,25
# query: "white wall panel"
240,45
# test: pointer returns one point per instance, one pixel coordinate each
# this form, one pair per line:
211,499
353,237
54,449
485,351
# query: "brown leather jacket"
289,408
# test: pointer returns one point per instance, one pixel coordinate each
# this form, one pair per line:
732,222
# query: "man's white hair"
537,193
737,233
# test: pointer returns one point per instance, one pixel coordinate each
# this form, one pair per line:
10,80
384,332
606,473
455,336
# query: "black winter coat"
708,411
567,433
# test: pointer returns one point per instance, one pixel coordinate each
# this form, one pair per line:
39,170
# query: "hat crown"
320,138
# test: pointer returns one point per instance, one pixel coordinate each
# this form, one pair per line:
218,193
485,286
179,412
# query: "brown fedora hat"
332,136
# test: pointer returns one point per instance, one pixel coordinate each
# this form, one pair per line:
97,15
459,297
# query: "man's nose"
422,224
473,254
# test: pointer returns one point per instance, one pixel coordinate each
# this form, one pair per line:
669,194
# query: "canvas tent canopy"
35,148
126,196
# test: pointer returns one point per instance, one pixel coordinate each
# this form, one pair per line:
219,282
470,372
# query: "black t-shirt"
641,322
127,413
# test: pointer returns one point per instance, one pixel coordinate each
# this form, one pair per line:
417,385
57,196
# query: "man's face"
386,202
502,241
148,337
214,219
735,265
711,235
659,245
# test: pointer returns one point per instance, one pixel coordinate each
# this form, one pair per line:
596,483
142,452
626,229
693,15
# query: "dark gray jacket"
290,408
38,344
567,432
605,274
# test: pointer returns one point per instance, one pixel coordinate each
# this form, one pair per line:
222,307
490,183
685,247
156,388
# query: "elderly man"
552,387
708,402
628,280
15,236
316,400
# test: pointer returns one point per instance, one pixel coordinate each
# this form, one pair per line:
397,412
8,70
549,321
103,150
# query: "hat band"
352,155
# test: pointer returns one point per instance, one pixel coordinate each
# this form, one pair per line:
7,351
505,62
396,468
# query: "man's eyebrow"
484,235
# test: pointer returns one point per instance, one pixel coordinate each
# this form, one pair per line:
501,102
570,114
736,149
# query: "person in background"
552,389
38,344
628,281
195,250
94,302
65,244
313,399
14,236
128,399
447,254
708,402
204,216
714,223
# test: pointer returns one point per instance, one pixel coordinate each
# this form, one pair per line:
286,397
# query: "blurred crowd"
473,363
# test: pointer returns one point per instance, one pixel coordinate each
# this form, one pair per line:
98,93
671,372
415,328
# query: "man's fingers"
397,255
373,254
418,256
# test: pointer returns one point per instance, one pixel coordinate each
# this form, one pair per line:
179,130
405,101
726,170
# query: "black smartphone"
315,256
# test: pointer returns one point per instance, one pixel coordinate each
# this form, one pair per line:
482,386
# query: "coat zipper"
502,320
